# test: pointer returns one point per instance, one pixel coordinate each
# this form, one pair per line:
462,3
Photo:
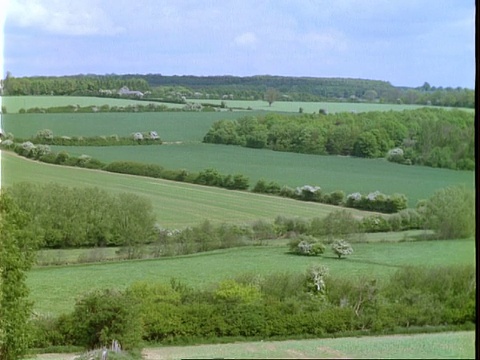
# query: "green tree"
271,95
17,252
450,212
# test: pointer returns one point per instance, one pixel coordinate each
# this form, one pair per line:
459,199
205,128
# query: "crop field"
331,173
310,107
176,205
54,292
15,103
457,345
171,126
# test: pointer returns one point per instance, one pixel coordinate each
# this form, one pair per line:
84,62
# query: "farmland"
54,291
183,132
15,103
458,345
180,205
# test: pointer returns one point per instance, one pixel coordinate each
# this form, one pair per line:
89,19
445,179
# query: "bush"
103,316
306,245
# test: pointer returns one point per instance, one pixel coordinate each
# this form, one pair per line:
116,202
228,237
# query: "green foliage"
376,201
17,253
450,212
77,217
103,316
433,135
306,245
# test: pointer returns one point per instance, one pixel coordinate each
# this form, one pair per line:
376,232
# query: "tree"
450,212
17,250
271,95
341,248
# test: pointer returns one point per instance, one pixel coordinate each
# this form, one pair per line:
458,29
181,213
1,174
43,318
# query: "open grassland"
331,173
15,103
449,345
55,289
175,204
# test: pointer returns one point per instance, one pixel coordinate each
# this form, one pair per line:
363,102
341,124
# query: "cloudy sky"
406,42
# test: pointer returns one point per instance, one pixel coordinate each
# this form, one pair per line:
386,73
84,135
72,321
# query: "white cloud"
67,17
247,39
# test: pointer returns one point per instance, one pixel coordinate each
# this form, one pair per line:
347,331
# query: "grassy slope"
457,345
53,290
175,204
329,172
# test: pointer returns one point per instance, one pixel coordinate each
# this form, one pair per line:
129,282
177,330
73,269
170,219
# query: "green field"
456,345
54,290
331,173
310,107
15,103
175,204
171,126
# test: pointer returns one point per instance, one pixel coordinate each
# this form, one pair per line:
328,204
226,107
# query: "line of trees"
427,136
244,88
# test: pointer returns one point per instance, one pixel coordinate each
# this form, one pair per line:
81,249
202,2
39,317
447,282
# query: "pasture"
54,292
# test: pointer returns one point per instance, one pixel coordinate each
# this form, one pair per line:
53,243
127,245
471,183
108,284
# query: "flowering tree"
341,248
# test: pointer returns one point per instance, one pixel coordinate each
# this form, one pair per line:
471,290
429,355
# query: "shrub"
306,245
103,316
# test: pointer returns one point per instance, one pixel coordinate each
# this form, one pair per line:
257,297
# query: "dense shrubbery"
430,137
85,217
376,201
313,304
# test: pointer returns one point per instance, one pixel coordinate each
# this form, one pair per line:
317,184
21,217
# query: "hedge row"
278,305
211,177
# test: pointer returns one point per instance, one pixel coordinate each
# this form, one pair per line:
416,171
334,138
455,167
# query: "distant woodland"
178,88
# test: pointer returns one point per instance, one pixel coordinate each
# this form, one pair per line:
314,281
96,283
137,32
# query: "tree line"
241,88
426,136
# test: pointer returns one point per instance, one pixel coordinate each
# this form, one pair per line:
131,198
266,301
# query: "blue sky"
406,42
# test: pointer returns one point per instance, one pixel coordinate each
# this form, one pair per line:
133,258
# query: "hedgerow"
268,306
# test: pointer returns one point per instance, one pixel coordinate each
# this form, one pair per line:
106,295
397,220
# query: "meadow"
54,292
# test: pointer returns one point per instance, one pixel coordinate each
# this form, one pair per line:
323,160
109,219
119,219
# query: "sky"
405,42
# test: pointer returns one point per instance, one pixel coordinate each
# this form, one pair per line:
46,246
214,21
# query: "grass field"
329,172
15,103
54,289
171,126
175,204
457,345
